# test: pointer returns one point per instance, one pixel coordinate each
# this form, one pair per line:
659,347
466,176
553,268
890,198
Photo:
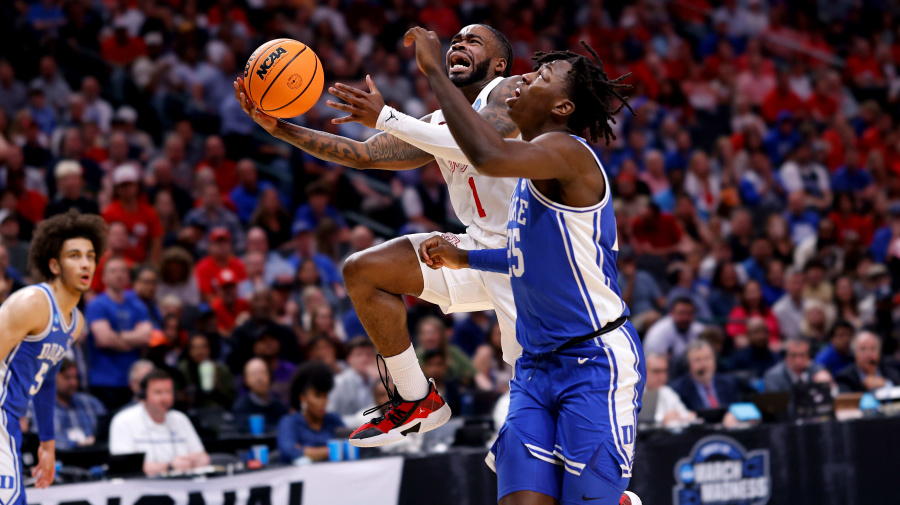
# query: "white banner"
369,482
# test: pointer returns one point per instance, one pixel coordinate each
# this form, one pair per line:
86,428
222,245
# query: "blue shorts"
12,490
572,416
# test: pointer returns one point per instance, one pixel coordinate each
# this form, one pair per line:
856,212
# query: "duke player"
478,64
37,326
569,435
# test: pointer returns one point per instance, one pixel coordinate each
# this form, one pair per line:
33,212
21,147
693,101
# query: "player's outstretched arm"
368,108
381,151
486,149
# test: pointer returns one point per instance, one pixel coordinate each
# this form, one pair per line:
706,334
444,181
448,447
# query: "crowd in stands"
757,196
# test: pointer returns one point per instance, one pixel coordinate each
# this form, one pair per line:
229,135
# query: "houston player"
37,327
569,436
478,64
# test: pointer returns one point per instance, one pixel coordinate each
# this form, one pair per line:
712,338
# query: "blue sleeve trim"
489,260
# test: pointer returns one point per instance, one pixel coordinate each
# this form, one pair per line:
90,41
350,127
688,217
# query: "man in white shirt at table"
165,436
670,410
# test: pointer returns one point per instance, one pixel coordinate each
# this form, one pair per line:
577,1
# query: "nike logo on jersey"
585,498
582,361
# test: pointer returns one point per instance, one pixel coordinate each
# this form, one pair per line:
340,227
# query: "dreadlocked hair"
591,90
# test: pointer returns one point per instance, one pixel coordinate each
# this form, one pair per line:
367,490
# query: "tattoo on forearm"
497,113
378,152
385,147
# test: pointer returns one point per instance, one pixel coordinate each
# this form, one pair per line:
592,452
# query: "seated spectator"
272,219
492,373
176,276
640,291
470,332
8,283
670,411
70,188
703,388
796,369
246,194
845,303
305,248
316,208
220,257
756,357
788,310
321,323
326,350
672,334
815,283
431,335
852,178
268,348
656,233
816,322
212,215
132,209
803,173
116,244
307,432
230,310
353,387
75,415
143,283
868,371
218,392
214,158
725,291
166,344
258,399
683,284
751,305
120,328
165,436
16,248
275,264
255,264
136,375
436,366
261,321
760,254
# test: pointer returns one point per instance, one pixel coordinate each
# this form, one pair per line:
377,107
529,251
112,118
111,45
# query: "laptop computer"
647,415
126,465
814,401
712,416
774,406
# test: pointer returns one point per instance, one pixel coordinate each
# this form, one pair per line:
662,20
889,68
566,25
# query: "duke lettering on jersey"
52,352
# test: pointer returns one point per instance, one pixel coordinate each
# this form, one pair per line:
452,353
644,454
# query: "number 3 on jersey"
39,379
481,212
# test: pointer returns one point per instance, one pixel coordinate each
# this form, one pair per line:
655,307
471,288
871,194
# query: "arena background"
757,195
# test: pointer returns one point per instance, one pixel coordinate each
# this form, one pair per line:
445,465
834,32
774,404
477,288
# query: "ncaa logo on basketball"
719,471
269,61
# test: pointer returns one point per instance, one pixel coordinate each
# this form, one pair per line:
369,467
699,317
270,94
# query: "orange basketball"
284,78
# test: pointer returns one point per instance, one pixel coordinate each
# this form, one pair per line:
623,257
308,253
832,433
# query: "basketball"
284,78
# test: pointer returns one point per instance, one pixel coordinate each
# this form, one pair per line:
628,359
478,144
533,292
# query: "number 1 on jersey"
481,212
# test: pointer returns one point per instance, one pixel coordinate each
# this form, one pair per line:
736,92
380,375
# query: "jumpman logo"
392,116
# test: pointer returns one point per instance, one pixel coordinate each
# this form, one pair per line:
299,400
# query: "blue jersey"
35,358
562,265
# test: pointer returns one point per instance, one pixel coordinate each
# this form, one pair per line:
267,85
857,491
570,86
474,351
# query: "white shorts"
467,290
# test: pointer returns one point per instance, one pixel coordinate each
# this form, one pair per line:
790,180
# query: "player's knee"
355,269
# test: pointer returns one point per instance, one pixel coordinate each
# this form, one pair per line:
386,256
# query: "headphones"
142,392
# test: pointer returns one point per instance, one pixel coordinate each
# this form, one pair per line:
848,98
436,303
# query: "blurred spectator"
70,186
258,399
788,310
136,374
307,432
164,181
262,310
275,264
325,350
220,258
165,436
470,332
97,110
669,411
703,388
683,285
436,366
214,158
796,369
12,91
129,207
246,194
803,173
212,215
220,391
30,203
119,328
229,308
837,354
16,249
268,348
271,217
143,281
52,83
751,305
815,282
176,276
8,283
431,335
492,373
671,335
868,372
304,248
640,291
76,414
353,387
116,246
656,233
425,204
756,357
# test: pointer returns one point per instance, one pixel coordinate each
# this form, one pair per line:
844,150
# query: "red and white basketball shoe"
401,418
629,498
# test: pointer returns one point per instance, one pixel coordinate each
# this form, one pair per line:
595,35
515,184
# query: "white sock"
407,374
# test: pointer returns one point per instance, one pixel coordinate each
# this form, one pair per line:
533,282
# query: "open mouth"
517,92
459,62
86,278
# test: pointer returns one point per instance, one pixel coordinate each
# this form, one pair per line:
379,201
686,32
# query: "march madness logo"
720,471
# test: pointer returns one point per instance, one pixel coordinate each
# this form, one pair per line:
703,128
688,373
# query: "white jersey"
481,203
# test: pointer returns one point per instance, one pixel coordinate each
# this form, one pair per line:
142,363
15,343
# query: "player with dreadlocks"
569,436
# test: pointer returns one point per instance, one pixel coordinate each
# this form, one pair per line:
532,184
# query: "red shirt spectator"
224,169
116,246
122,49
657,230
227,306
822,106
144,226
441,19
220,258
29,203
779,99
